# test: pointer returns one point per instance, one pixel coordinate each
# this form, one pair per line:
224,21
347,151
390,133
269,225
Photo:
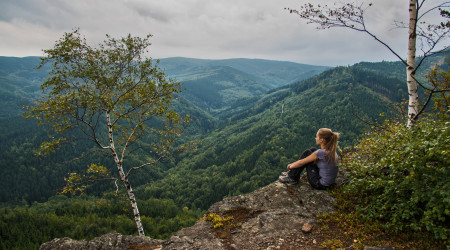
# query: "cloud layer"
202,28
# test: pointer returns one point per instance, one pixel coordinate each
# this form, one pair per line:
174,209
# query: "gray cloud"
202,28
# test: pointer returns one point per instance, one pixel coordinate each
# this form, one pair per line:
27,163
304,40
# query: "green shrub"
401,177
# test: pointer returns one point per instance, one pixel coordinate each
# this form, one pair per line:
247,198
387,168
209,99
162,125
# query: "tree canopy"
112,96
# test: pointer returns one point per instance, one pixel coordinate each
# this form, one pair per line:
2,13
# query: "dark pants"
312,171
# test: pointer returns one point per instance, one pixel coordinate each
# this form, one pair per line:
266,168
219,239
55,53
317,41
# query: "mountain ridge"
206,80
264,68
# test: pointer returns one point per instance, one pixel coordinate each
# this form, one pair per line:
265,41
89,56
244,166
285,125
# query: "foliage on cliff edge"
400,176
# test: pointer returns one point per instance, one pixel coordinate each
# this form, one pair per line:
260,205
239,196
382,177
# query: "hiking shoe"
287,180
284,173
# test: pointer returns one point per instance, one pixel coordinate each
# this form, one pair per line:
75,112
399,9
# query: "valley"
249,117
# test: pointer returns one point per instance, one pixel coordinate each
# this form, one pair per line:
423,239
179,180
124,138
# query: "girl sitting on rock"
321,164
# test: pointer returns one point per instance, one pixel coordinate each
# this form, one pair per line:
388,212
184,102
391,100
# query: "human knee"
307,153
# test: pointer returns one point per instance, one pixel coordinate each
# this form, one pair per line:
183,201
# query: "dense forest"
247,133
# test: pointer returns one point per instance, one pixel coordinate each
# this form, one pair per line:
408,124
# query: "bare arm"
302,162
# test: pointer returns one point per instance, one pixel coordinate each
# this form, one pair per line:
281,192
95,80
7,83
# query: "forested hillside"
19,83
271,73
256,145
246,141
217,84
211,84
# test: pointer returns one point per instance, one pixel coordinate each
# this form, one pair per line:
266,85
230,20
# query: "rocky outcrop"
273,217
112,241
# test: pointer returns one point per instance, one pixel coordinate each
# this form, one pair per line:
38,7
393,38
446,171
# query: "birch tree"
426,37
108,95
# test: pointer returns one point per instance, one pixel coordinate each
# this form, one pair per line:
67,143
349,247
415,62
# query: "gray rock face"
272,217
113,241
198,236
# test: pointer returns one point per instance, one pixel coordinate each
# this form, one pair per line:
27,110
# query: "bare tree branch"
375,125
143,165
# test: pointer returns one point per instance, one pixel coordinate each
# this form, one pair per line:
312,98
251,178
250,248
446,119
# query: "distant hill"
19,83
396,69
214,88
216,84
209,84
271,73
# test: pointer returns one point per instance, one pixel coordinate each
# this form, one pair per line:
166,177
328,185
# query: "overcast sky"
209,29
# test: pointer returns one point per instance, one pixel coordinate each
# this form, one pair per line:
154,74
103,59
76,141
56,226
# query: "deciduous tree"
110,94
421,35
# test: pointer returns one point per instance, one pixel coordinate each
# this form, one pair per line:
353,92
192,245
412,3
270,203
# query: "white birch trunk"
413,101
124,179
137,216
